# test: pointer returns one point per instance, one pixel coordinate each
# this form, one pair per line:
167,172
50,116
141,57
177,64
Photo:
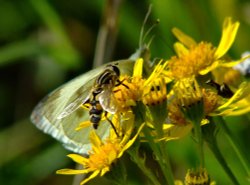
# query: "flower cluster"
167,101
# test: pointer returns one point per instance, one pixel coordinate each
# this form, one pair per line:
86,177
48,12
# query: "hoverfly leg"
111,123
121,83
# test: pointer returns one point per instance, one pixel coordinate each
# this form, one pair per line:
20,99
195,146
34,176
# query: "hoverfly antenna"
142,35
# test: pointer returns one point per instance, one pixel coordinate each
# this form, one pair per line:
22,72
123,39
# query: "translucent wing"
45,114
73,106
107,100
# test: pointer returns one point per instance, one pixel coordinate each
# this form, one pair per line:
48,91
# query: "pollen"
189,98
190,62
211,101
175,115
187,91
186,95
104,155
129,92
156,93
200,177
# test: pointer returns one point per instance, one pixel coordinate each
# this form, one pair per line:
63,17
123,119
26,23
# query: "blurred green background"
44,43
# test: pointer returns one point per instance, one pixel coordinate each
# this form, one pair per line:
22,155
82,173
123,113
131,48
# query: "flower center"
155,93
211,100
128,92
104,155
175,115
197,177
190,63
187,94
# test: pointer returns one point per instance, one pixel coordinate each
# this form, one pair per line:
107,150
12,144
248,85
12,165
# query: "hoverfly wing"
45,114
73,106
107,101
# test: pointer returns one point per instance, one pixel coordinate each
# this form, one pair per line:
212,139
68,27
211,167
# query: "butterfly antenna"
143,25
148,32
150,41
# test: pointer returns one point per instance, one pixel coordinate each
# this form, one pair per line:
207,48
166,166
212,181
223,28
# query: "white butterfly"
59,113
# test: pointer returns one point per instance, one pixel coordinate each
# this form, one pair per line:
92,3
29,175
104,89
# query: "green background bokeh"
44,43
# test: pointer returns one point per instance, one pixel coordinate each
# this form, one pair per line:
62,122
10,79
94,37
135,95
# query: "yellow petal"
228,35
178,182
233,63
95,139
71,171
130,142
180,49
83,125
78,158
138,67
112,156
116,123
104,170
183,38
241,93
230,64
235,111
158,70
128,123
175,132
204,121
93,175
240,111
209,68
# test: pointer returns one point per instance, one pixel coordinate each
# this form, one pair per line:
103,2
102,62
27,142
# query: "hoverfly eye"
116,70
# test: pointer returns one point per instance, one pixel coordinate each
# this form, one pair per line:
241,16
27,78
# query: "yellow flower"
235,75
104,153
187,93
238,104
196,178
200,58
145,95
149,90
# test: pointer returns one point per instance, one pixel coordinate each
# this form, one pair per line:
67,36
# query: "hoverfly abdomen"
95,119
95,110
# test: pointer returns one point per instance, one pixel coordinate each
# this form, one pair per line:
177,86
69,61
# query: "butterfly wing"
45,115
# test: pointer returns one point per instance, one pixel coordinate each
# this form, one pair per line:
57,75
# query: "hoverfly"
100,98
59,113
222,90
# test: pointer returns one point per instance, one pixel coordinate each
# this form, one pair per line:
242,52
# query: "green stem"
233,141
166,163
198,135
163,157
140,162
118,174
215,149
195,113
160,152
